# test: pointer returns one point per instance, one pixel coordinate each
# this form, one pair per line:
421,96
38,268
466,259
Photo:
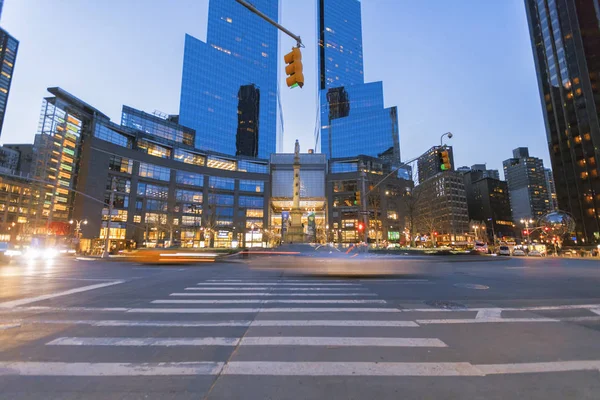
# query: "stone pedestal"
295,232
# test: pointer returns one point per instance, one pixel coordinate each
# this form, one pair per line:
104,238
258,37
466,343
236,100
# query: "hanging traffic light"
357,198
294,68
444,158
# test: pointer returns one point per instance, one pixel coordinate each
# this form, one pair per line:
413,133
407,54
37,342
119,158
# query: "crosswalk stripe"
273,281
274,289
354,369
257,310
109,369
269,294
276,284
272,368
483,320
259,301
249,341
230,323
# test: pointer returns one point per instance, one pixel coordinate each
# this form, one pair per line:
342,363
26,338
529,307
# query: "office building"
230,83
9,160
526,185
428,164
486,173
353,118
8,55
488,202
441,209
551,188
385,201
25,157
565,37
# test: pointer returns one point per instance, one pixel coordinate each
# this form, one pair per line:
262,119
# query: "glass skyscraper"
353,118
565,36
230,83
8,55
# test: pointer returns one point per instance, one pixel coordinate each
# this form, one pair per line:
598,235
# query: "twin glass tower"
229,91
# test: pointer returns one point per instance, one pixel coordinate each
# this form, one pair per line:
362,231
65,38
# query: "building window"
120,164
156,205
189,178
154,149
153,191
189,158
252,186
216,182
105,133
221,163
254,213
250,166
220,199
251,201
154,172
121,184
188,196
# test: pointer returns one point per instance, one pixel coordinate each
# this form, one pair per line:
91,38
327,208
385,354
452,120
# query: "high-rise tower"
565,36
353,117
232,78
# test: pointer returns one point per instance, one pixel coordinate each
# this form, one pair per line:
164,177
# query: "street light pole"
113,187
449,134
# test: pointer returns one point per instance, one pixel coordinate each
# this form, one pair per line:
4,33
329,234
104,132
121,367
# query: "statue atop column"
295,233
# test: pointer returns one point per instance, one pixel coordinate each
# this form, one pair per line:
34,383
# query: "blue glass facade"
353,117
229,84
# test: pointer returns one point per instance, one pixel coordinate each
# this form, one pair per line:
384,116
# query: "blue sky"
463,66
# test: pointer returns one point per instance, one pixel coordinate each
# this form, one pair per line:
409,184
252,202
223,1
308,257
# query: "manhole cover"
447,305
471,286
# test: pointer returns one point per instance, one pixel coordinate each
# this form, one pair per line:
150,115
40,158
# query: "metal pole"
105,254
269,20
363,178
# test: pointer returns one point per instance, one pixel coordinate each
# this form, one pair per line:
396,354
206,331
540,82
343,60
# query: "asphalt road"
437,328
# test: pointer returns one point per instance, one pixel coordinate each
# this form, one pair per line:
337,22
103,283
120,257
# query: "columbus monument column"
295,233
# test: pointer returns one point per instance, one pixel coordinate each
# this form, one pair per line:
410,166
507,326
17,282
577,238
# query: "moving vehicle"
481,247
518,253
536,253
504,251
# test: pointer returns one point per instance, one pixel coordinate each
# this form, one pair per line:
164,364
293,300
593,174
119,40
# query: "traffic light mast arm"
269,20
402,164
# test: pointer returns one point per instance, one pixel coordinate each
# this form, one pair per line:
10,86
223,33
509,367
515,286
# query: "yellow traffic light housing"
445,160
294,68
357,198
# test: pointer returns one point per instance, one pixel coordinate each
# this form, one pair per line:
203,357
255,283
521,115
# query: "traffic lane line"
261,310
483,320
270,368
277,284
21,302
230,323
269,294
318,341
275,289
259,301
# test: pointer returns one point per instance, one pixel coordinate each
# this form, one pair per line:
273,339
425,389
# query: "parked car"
536,253
518,252
504,251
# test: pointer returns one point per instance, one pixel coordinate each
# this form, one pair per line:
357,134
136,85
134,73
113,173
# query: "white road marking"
249,341
9,326
268,282
482,320
339,341
20,302
595,310
66,309
256,310
354,369
271,368
270,294
347,323
273,289
230,323
277,284
530,368
489,313
167,342
259,301
109,369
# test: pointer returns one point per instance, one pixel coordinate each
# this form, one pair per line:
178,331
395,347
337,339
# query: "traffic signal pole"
269,20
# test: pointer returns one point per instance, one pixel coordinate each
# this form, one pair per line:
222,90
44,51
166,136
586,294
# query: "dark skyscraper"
565,35
246,141
8,54
353,117
241,51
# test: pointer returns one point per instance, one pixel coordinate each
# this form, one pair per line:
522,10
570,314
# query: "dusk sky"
463,66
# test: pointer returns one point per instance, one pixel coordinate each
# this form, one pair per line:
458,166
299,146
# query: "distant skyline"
442,63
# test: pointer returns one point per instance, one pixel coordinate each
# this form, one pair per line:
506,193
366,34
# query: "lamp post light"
449,134
78,223
526,222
